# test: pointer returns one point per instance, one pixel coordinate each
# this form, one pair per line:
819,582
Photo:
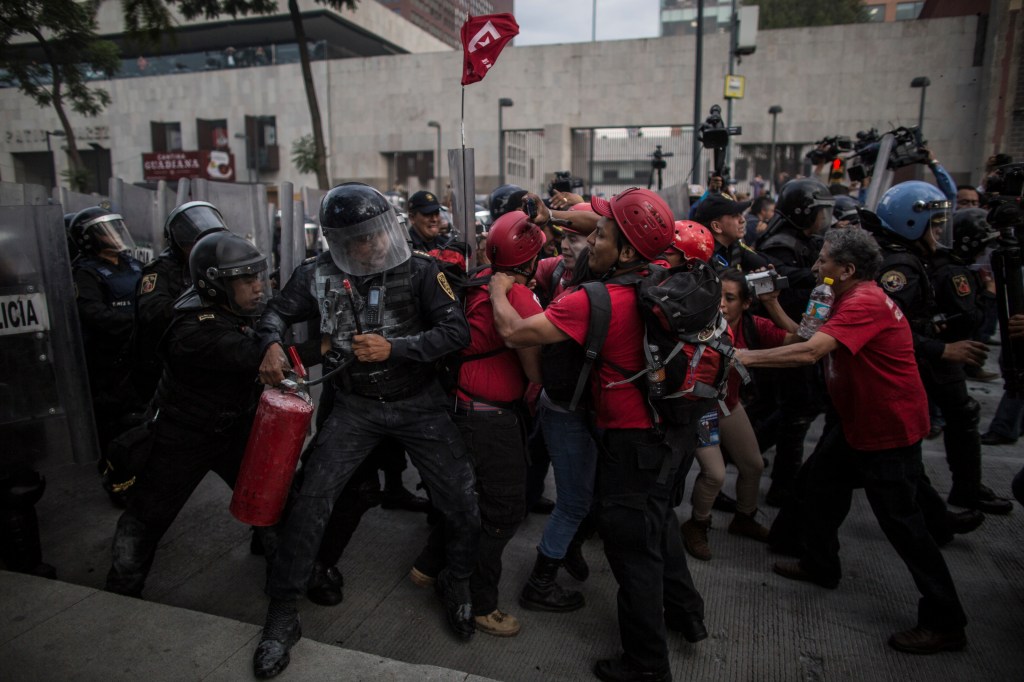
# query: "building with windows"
443,19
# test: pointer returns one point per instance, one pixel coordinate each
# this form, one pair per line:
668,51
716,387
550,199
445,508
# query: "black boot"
325,585
542,593
618,670
458,604
574,562
20,548
132,556
280,633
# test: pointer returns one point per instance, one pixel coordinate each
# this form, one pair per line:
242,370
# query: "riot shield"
45,409
881,177
463,173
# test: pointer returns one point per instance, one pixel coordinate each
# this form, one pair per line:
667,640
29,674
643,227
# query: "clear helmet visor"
312,234
110,232
940,220
369,247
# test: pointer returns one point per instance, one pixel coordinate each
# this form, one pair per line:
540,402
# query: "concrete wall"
830,80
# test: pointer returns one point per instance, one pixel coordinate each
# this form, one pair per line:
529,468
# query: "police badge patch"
443,281
962,285
894,280
148,283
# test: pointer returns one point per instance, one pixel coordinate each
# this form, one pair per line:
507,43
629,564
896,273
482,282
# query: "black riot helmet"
971,234
73,249
362,230
504,199
806,204
218,258
186,222
96,229
846,210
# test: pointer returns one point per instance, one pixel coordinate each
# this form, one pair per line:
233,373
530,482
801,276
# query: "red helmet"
644,218
513,240
693,240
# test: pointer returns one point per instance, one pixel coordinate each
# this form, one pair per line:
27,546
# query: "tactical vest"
118,283
787,239
923,308
392,379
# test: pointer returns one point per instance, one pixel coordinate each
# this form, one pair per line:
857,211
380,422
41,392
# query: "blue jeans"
1008,421
574,461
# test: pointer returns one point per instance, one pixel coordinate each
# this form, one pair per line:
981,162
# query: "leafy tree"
151,17
65,32
796,13
304,154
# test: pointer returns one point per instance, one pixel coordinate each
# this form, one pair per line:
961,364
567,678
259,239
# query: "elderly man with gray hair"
876,391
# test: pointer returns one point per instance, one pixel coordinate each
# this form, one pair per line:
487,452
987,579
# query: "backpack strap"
597,332
556,277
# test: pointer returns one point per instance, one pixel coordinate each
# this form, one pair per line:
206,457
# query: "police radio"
374,306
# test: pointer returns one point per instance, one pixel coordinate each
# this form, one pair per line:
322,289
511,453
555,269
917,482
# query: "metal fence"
524,159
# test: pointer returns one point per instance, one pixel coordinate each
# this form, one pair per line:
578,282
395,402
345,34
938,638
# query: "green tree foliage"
49,50
153,17
304,154
796,13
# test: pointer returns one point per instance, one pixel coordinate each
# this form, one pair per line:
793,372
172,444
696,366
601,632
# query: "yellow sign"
734,86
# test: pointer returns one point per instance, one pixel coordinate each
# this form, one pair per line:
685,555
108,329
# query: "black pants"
947,390
799,402
496,445
639,477
181,458
351,432
890,479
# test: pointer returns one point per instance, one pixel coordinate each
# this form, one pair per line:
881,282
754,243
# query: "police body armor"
118,283
956,289
804,252
392,379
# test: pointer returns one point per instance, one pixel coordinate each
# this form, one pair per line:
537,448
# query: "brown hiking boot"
421,579
695,538
745,525
497,623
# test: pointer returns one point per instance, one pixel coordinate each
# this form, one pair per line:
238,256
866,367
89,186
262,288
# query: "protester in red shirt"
491,380
874,385
640,469
554,274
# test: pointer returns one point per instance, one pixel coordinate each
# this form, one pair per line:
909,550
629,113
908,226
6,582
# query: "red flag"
483,38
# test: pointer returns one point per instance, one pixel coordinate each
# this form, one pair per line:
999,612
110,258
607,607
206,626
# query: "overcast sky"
543,22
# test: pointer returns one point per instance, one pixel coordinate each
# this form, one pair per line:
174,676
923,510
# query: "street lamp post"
53,161
774,110
437,159
921,82
502,103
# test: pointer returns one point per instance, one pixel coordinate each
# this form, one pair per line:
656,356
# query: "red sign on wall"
204,163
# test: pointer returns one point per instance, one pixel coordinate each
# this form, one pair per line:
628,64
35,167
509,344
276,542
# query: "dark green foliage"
796,13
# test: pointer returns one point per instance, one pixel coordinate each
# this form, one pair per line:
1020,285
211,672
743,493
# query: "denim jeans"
1008,421
574,460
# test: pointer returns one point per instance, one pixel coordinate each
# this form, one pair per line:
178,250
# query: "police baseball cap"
714,206
424,202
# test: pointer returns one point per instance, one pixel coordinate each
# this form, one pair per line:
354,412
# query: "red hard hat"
693,240
644,218
513,240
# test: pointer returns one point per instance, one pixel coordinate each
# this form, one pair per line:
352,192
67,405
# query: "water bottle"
655,373
818,309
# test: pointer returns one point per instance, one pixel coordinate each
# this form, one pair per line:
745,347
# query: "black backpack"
685,338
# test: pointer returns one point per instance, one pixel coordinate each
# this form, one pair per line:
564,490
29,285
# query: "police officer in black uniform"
163,279
926,280
105,277
397,318
205,401
792,242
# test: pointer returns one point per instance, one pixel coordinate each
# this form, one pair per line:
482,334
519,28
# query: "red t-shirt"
499,377
872,376
621,406
768,336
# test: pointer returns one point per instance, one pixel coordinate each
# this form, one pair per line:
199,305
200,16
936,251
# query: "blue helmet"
907,208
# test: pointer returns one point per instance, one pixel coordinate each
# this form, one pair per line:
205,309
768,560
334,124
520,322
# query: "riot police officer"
163,279
205,401
792,241
925,280
105,277
394,314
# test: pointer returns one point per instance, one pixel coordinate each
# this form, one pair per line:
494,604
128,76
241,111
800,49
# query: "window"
166,137
874,13
212,134
906,11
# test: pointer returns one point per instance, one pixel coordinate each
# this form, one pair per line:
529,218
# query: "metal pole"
593,22
920,116
774,111
732,59
698,66
501,148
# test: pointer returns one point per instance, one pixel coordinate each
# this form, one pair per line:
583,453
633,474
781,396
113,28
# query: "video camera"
827,149
765,282
713,134
907,150
564,182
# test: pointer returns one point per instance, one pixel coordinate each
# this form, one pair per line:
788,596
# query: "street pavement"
204,606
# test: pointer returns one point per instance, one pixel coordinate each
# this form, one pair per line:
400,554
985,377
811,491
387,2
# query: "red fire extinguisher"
275,442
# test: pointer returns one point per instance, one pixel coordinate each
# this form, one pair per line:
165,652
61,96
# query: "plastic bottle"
819,307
